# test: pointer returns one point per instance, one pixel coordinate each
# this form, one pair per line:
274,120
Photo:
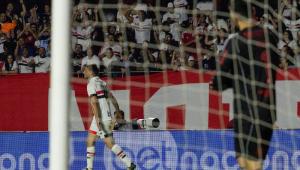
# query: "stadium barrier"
181,100
153,150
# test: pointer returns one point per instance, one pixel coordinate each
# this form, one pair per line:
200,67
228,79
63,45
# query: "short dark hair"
241,7
21,37
109,49
25,47
125,52
118,35
111,34
93,68
79,45
43,48
33,24
165,23
169,34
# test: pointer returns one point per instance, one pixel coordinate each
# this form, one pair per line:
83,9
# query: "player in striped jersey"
101,97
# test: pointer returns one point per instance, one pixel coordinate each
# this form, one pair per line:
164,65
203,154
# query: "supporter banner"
181,100
171,150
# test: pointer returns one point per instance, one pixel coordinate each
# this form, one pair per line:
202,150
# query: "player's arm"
96,110
116,105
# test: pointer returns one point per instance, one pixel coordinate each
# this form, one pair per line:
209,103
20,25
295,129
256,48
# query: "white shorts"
106,128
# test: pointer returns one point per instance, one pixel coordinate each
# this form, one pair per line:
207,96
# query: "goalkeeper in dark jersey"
249,65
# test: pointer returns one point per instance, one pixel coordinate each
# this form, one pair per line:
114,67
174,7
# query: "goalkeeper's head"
241,11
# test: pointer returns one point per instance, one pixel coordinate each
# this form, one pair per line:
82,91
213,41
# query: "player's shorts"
252,140
106,128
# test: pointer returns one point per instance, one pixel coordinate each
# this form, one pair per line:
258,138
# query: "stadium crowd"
126,37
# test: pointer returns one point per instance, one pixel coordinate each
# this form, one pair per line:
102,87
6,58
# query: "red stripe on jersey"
117,52
119,153
92,132
266,93
223,57
99,92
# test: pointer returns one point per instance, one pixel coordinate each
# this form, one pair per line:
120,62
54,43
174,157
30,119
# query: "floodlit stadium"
149,84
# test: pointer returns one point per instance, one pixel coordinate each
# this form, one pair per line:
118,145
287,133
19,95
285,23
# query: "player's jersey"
99,88
256,81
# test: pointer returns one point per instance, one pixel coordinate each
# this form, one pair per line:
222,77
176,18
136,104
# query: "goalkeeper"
250,68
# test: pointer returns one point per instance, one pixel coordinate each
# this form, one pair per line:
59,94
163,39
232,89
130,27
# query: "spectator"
295,42
110,43
296,51
21,45
128,65
121,19
182,60
188,37
6,27
48,53
284,63
45,17
45,35
142,25
108,59
133,52
181,8
171,16
90,59
76,61
84,31
119,37
6,52
3,39
219,41
206,7
30,34
124,67
165,45
74,38
287,40
287,53
209,61
286,8
200,28
146,54
24,61
42,62
292,24
112,29
165,30
9,11
10,66
264,20
33,18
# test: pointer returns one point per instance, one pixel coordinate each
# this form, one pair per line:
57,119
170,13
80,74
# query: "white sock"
90,153
119,152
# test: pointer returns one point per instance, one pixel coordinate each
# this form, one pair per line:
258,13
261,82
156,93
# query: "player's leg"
92,137
107,137
90,151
